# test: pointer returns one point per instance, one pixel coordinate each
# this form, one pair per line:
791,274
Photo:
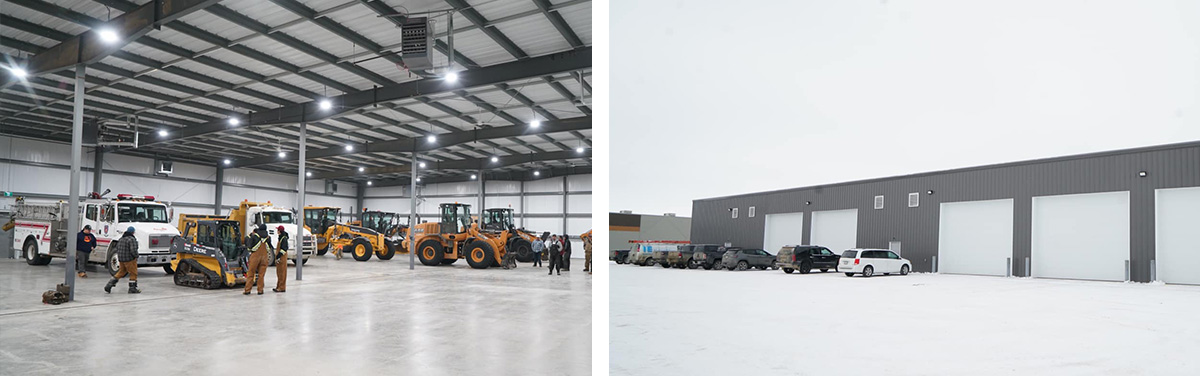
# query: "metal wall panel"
1168,166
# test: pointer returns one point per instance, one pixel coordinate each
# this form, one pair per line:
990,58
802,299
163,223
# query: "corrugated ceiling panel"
480,48
536,36
244,62
278,92
579,17
278,50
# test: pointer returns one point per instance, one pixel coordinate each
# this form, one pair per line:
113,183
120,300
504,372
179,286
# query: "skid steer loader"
455,237
209,254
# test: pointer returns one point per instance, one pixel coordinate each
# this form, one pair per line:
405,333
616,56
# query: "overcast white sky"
718,98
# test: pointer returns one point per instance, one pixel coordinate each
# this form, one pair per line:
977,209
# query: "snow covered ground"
700,322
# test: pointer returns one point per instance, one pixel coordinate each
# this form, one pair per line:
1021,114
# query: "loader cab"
320,219
497,219
378,221
220,234
456,218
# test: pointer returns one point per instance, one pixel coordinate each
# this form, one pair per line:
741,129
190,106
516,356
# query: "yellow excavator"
456,237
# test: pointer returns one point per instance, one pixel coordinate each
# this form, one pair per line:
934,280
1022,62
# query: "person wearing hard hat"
281,260
127,254
259,244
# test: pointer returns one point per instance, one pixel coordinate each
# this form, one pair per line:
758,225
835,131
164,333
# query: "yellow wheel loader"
209,254
455,237
499,221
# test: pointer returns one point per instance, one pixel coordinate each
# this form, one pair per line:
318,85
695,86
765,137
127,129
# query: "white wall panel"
783,229
502,186
544,204
1084,236
43,152
395,205
161,189
835,229
553,225
579,204
397,190
180,209
260,178
460,188
347,204
1176,221
975,237
40,180
579,183
513,202
577,226
545,185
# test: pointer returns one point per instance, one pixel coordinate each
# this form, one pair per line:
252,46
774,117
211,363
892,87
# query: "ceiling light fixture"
418,179
368,182
282,154
431,138
308,174
451,77
349,147
422,164
495,159
227,162
361,169
18,72
234,121
473,176
1143,174
162,133
535,123
537,173
325,104
579,149
109,36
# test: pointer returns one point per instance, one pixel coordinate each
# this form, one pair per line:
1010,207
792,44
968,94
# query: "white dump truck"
40,229
250,214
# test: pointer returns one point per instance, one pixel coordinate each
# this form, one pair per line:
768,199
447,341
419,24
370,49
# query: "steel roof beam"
461,164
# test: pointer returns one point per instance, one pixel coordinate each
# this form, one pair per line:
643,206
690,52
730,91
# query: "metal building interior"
258,96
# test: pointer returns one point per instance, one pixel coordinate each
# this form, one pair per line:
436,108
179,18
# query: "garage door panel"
1177,248
835,229
1083,236
975,237
783,229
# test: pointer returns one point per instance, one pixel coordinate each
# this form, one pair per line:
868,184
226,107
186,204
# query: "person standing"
566,256
85,242
538,245
281,260
555,255
259,244
587,251
127,255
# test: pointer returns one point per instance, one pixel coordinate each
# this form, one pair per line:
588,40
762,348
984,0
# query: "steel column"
564,211
481,187
412,211
73,188
220,188
97,169
300,191
522,204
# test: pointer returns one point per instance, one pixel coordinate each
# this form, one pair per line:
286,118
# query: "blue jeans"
537,259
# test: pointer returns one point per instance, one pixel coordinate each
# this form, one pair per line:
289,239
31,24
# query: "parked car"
748,258
805,258
869,262
621,256
649,253
660,256
685,256
711,258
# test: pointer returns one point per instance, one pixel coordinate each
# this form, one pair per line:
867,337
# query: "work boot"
82,275
133,288
108,287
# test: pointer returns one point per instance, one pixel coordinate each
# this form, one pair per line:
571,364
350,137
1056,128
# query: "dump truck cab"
454,237
251,214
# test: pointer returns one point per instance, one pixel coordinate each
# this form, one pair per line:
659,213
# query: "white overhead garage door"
783,229
975,237
1083,236
1177,248
835,229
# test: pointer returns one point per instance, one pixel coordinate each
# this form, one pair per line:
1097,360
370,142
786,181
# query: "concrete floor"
345,318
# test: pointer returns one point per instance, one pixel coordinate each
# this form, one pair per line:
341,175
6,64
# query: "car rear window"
849,254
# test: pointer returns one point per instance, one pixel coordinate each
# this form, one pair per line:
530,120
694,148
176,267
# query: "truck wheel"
430,252
664,265
788,270
167,268
31,254
648,262
523,249
389,250
112,264
321,252
479,255
361,249
805,267
742,265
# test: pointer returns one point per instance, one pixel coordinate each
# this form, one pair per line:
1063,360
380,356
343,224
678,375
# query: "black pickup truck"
621,256
710,258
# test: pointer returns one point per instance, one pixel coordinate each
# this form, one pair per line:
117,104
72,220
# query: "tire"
743,265
718,265
303,261
707,266
361,249
664,265
805,267
691,264
112,264
523,249
480,255
868,271
824,270
31,254
648,262
270,259
167,268
430,252
849,274
788,270
389,250
904,270
760,267
321,252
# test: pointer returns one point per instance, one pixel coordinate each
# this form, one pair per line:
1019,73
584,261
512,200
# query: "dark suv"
748,258
683,258
709,258
805,258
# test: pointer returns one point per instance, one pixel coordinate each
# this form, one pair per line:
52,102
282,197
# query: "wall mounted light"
1142,174
808,202
929,192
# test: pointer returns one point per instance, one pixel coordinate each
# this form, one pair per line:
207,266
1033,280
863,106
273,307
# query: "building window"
914,199
734,211
751,212
878,202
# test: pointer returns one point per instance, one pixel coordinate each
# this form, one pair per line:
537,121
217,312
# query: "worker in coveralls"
127,255
259,244
587,251
281,261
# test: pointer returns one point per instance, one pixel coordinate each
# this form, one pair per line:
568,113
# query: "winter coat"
538,246
555,247
85,242
284,241
256,238
127,248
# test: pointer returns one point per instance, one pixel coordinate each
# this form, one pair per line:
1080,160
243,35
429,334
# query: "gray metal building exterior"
1166,166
